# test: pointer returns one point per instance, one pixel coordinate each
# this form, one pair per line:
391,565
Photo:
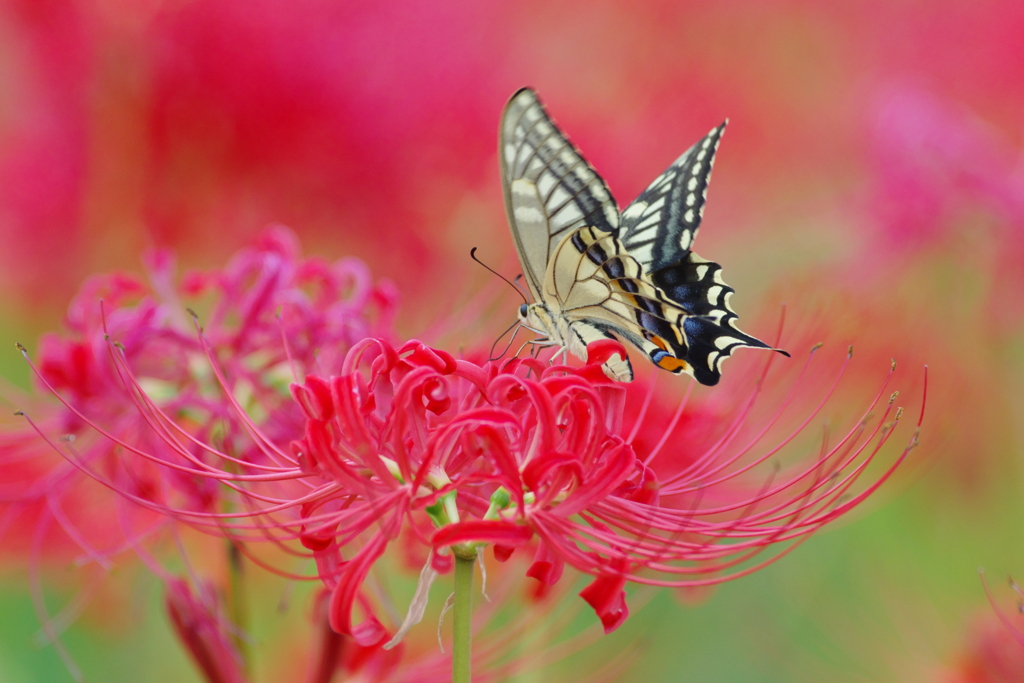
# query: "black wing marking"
659,227
596,282
550,189
696,285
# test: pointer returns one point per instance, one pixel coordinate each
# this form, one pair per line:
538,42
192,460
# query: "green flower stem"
237,607
462,657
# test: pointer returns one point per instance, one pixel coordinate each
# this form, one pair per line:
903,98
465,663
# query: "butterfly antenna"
491,356
515,281
472,255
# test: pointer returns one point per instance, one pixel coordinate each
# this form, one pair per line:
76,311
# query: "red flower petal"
547,565
353,573
418,353
607,595
502,553
483,531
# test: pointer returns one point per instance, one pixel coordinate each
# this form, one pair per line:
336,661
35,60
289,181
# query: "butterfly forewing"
550,189
661,224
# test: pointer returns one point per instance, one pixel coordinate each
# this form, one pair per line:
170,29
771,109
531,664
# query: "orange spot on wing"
672,364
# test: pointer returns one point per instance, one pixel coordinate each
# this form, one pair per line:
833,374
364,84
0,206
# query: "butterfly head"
537,317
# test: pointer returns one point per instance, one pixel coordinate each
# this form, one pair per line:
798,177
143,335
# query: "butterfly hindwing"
660,225
696,285
550,189
658,229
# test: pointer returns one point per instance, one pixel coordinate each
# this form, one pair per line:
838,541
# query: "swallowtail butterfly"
595,272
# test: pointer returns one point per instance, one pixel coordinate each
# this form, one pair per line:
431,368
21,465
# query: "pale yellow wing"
550,189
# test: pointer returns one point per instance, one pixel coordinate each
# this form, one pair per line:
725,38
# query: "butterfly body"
572,335
598,273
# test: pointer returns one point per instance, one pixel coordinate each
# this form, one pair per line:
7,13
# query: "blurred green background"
871,178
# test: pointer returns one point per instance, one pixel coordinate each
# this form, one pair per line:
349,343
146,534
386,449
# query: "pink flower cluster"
268,313
521,455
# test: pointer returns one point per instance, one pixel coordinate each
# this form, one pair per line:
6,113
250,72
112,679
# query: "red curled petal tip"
601,350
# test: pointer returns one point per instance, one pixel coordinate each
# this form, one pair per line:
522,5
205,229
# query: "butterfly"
599,273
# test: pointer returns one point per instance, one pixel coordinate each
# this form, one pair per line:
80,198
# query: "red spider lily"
270,312
544,459
461,454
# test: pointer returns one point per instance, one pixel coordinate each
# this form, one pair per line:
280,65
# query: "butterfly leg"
520,349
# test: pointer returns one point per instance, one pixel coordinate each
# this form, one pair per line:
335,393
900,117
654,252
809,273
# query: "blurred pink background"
871,178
